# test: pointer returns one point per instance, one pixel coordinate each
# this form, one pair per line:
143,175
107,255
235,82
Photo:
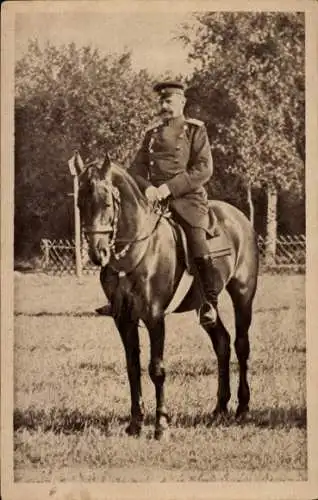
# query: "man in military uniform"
173,163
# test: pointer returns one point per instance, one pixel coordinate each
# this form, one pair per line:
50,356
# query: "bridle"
112,227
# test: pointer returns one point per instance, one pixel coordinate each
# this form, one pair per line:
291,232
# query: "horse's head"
98,202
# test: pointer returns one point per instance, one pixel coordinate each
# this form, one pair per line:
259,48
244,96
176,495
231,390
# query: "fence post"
46,251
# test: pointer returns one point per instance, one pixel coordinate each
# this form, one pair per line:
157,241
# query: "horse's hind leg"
242,348
221,343
243,316
128,329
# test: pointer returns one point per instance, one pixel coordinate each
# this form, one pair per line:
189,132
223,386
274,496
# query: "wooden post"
77,220
46,250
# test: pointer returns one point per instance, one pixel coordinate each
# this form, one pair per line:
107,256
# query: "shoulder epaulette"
154,125
194,121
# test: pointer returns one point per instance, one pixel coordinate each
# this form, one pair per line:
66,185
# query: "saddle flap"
219,247
217,237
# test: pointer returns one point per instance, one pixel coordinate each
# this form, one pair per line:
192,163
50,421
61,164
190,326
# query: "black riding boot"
212,284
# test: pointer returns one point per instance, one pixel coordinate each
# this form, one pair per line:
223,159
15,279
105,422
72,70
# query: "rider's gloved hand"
164,191
152,194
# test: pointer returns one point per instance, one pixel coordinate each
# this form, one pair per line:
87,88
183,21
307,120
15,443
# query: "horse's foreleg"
157,373
221,343
128,330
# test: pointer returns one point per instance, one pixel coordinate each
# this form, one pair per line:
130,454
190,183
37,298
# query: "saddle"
219,244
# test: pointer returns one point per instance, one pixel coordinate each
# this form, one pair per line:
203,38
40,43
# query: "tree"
70,98
249,86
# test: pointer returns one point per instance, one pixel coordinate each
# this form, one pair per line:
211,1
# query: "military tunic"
177,153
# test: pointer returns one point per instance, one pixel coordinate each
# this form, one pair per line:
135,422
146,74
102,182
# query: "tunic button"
176,161
155,130
178,147
150,150
152,162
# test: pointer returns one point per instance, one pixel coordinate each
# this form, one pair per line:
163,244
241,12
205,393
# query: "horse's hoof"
220,417
133,429
241,413
162,428
162,434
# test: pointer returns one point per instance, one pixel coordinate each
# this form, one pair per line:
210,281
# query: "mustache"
164,112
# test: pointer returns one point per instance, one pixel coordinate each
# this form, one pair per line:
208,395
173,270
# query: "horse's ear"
106,165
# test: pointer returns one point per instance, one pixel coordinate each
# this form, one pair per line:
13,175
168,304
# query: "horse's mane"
122,179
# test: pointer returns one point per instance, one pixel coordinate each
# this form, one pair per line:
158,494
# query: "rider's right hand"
152,194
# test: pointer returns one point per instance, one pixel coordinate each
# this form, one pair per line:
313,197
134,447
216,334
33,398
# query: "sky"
149,35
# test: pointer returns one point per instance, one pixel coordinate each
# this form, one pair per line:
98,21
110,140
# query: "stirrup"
208,314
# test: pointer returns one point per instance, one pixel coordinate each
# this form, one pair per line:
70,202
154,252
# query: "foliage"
70,98
248,86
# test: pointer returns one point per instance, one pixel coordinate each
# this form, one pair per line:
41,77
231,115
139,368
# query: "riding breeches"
196,238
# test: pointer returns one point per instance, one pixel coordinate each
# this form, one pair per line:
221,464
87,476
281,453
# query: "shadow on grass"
73,314
187,370
275,309
63,420
270,418
67,422
93,314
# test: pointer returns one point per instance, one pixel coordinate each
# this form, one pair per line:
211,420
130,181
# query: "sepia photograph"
158,237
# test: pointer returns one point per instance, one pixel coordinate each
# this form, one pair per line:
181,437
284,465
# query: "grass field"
72,398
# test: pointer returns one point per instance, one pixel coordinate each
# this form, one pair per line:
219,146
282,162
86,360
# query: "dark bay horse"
141,267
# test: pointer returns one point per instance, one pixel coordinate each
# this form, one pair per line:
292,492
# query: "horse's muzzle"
104,253
99,250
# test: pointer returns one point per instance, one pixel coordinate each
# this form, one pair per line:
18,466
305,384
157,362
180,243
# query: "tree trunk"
250,203
271,225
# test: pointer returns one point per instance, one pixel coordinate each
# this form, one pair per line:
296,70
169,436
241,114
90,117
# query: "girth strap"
181,291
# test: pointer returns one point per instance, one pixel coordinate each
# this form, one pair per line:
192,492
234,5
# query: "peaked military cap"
169,87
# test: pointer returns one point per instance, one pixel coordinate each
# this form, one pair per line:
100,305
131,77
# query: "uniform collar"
175,121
